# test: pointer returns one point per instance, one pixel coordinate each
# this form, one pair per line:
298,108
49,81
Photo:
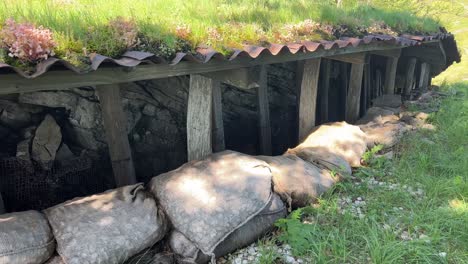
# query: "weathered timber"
65,79
218,126
432,53
199,113
324,88
390,75
2,205
409,82
392,53
354,93
366,87
356,58
308,96
264,113
343,89
424,76
246,78
116,132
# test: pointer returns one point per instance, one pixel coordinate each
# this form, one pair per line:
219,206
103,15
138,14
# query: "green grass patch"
411,209
166,27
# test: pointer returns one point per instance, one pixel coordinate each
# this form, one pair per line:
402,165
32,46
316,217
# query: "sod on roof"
32,30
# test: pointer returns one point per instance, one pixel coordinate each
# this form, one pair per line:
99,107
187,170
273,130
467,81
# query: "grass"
165,27
397,225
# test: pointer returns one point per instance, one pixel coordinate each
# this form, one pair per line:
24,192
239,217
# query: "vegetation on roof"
31,31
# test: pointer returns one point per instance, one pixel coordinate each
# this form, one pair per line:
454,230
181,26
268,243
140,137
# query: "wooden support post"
323,91
409,82
390,75
116,132
343,89
199,113
2,205
354,93
218,126
424,76
368,83
264,113
308,97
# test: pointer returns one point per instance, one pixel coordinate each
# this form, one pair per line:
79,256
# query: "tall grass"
235,22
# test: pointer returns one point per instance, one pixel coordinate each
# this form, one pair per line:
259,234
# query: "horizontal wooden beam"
65,79
432,53
355,58
246,78
392,53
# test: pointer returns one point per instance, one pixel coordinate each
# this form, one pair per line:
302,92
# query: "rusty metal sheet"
206,54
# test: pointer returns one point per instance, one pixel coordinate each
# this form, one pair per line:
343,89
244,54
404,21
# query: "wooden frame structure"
205,132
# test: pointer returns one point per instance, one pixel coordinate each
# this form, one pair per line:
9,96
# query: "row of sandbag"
214,206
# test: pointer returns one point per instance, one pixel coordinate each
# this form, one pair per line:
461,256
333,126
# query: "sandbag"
340,138
207,200
323,159
56,259
298,182
108,227
26,238
257,227
386,134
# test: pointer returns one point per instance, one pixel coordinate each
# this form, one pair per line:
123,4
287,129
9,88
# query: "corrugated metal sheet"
204,55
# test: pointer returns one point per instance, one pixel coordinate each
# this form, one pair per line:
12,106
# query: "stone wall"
156,114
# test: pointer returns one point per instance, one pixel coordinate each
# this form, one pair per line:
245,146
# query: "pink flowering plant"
26,42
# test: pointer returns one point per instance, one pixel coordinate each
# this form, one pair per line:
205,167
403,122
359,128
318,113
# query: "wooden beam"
391,53
218,126
324,87
354,93
65,79
264,113
343,89
424,76
356,58
308,97
390,75
409,82
246,78
366,87
432,53
115,125
199,113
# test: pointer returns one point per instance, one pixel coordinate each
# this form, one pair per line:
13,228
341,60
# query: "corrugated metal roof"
204,55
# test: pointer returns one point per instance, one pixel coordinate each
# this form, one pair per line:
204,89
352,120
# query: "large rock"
53,99
46,142
388,100
14,115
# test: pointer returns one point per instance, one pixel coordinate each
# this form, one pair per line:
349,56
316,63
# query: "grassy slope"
398,225
232,23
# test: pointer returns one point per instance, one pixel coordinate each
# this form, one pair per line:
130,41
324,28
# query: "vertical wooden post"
424,76
343,89
2,205
409,82
354,93
264,113
199,113
323,93
366,87
115,125
218,126
390,75
308,97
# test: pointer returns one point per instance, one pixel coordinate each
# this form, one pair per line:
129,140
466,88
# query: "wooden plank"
218,126
199,113
424,76
246,78
392,53
324,87
115,125
357,58
343,89
432,53
366,87
390,75
409,82
354,93
65,79
264,113
308,97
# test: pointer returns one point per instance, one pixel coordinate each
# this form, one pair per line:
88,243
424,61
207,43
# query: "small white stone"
442,254
289,259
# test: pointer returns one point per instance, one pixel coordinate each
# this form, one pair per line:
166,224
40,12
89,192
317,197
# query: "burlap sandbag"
207,200
323,159
56,259
298,182
26,238
339,138
258,226
106,228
